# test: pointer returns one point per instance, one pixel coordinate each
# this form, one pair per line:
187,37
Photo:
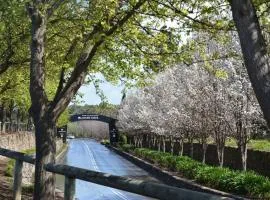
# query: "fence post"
69,188
17,184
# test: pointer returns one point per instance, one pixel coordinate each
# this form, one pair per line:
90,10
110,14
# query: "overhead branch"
54,7
37,65
194,20
79,73
61,83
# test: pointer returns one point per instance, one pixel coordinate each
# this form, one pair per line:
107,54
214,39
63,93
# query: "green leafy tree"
127,40
86,37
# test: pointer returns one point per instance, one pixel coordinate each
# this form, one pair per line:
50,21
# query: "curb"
61,153
170,179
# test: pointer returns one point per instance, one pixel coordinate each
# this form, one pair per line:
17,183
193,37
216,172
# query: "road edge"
170,179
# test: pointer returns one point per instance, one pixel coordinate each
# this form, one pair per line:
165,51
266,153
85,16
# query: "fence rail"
146,188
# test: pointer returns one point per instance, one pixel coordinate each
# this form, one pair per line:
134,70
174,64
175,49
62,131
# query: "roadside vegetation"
11,163
246,183
255,144
128,42
216,106
105,142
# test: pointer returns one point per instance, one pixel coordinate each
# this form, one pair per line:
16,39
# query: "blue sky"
112,92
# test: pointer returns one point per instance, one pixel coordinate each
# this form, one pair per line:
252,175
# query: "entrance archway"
95,117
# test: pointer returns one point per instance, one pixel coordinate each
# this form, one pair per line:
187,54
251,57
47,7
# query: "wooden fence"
146,188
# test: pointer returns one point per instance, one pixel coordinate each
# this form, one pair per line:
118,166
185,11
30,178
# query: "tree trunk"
191,150
141,142
163,144
181,146
136,141
254,51
220,153
172,144
243,151
18,120
29,123
3,119
149,141
154,141
159,142
45,153
204,146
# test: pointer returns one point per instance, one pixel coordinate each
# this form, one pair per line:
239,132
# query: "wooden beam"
151,189
17,155
146,188
17,182
69,188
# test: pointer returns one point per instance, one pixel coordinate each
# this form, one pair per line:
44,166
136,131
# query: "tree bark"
43,119
135,141
220,153
254,51
172,144
3,118
18,120
181,146
159,143
204,146
163,144
244,157
154,141
191,152
45,153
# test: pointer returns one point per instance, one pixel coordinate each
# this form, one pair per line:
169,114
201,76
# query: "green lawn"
11,162
260,145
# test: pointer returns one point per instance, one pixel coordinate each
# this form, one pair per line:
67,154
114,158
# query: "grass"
259,145
28,188
11,163
248,183
105,142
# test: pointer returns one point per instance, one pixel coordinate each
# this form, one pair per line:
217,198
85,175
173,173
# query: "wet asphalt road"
89,154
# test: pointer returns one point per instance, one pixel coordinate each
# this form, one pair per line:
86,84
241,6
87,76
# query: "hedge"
239,182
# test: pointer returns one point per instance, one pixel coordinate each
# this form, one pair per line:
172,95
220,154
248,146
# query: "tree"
13,35
100,35
254,52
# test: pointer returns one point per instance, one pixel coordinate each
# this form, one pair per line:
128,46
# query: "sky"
112,92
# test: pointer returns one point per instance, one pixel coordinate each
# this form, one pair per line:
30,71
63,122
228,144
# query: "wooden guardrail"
146,188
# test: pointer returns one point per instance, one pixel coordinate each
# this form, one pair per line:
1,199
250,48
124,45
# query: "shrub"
238,182
122,139
105,142
187,166
171,162
9,168
127,147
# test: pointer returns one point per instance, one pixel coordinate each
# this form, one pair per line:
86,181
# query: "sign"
61,131
87,117
96,117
